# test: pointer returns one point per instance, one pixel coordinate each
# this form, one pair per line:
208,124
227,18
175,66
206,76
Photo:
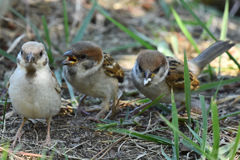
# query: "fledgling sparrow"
155,74
94,73
33,88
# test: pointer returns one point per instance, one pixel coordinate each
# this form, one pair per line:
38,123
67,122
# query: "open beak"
30,58
147,77
71,59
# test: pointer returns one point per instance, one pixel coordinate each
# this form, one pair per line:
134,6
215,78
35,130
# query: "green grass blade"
198,19
224,29
210,72
123,28
174,43
175,124
148,137
64,152
165,7
216,130
190,146
163,108
225,21
165,155
49,51
229,115
145,100
205,28
186,138
208,24
44,152
85,23
235,148
214,97
215,94
205,123
4,110
9,56
65,18
188,35
152,103
71,92
226,148
184,29
4,154
216,84
196,136
163,47
35,29
187,88
58,76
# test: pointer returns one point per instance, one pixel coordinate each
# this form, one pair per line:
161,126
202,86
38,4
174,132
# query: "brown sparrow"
155,74
94,73
33,88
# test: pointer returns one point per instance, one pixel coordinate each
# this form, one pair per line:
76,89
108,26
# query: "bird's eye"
41,53
21,52
83,56
156,70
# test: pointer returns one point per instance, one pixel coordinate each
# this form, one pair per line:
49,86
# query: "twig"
115,143
76,146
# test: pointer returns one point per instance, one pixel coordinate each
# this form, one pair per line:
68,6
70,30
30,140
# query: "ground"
76,137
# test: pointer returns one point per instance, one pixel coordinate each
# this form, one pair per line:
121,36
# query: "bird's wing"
112,68
8,84
175,76
57,86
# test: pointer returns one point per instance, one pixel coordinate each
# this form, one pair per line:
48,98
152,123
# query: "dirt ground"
74,136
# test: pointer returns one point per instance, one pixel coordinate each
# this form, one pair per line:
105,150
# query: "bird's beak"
68,53
30,58
71,59
147,77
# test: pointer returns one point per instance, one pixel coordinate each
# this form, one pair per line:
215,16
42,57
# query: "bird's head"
84,53
150,63
32,56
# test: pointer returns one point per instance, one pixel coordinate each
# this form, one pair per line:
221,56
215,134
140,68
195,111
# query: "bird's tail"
213,51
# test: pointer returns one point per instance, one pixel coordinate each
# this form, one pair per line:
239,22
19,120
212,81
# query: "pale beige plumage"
33,88
93,73
155,74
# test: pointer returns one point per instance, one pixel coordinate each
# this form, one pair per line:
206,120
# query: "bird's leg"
48,139
115,102
81,101
105,108
19,134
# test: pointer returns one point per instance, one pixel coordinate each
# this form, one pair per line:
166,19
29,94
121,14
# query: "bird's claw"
16,137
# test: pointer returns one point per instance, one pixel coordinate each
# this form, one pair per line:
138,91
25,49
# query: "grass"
200,135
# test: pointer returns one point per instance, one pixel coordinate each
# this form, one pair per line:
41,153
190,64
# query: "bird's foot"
46,142
16,137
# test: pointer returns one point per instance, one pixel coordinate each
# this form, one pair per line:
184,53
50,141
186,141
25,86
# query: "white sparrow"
94,73
155,74
33,88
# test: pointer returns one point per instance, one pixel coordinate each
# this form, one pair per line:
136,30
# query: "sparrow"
94,73
154,74
33,88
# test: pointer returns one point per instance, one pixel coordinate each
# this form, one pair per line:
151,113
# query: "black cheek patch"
88,65
45,62
18,60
